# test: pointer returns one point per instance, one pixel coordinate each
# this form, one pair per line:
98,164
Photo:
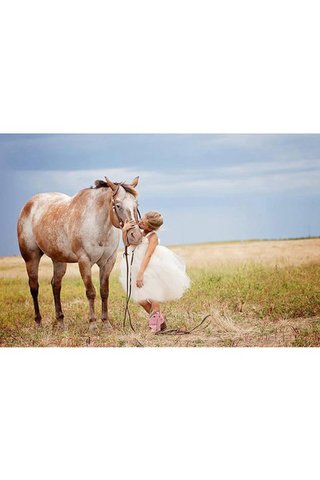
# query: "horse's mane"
128,188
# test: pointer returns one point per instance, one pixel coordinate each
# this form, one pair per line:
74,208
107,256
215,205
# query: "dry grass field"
257,293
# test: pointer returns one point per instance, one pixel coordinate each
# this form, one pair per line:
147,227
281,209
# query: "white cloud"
250,177
71,181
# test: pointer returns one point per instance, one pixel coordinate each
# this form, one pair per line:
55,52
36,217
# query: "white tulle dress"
164,279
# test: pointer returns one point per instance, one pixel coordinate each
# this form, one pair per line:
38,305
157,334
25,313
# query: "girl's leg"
155,306
146,305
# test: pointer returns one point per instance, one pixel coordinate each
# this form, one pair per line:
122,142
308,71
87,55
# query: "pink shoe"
157,322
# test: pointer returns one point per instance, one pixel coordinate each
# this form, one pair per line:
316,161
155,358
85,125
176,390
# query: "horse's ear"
111,184
134,182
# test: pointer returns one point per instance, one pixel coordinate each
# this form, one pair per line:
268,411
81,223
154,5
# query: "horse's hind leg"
32,265
59,269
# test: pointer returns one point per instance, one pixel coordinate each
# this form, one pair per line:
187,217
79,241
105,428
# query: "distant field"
258,293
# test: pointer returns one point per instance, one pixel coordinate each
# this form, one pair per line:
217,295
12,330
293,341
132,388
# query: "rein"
129,279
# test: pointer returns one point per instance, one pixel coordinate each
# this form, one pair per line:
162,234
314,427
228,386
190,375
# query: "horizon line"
309,237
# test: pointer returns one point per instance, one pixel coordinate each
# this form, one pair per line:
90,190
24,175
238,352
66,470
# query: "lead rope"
179,331
129,284
128,290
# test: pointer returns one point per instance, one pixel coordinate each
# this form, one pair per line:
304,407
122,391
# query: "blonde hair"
154,220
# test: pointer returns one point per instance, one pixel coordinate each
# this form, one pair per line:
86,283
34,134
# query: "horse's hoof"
38,323
106,326
58,324
93,327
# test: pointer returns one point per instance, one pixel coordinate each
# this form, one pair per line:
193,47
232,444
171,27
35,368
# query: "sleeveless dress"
165,277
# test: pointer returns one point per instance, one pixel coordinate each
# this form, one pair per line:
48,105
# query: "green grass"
268,292
250,304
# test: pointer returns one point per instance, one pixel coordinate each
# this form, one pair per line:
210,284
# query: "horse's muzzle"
134,236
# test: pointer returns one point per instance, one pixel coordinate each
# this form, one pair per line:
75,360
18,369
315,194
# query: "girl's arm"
127,226
124,237
153,242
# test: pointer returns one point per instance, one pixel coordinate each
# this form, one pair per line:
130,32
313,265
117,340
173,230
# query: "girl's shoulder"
152,237
152,234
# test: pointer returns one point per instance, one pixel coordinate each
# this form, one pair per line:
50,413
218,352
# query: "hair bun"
154,219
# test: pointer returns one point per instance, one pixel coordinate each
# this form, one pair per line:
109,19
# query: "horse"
85,229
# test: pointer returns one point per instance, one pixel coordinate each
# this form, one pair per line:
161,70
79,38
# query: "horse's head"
124,207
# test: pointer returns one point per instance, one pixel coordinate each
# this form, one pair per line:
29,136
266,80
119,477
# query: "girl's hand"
128,225
139,280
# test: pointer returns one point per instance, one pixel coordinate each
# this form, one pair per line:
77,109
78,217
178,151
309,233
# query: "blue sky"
208,187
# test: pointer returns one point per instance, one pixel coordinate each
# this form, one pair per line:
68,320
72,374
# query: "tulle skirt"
164,279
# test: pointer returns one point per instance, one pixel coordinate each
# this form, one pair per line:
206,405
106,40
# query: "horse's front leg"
105,270
59,269
85,270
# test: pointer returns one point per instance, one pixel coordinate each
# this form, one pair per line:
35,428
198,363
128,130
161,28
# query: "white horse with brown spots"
83,229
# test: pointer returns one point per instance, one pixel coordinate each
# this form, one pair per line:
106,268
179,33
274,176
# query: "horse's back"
40,204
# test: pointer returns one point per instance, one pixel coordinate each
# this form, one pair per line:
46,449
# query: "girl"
157,273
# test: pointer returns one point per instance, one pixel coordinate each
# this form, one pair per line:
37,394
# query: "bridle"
129,279
120,221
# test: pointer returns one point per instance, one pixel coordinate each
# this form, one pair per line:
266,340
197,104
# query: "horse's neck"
94,203
101,205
